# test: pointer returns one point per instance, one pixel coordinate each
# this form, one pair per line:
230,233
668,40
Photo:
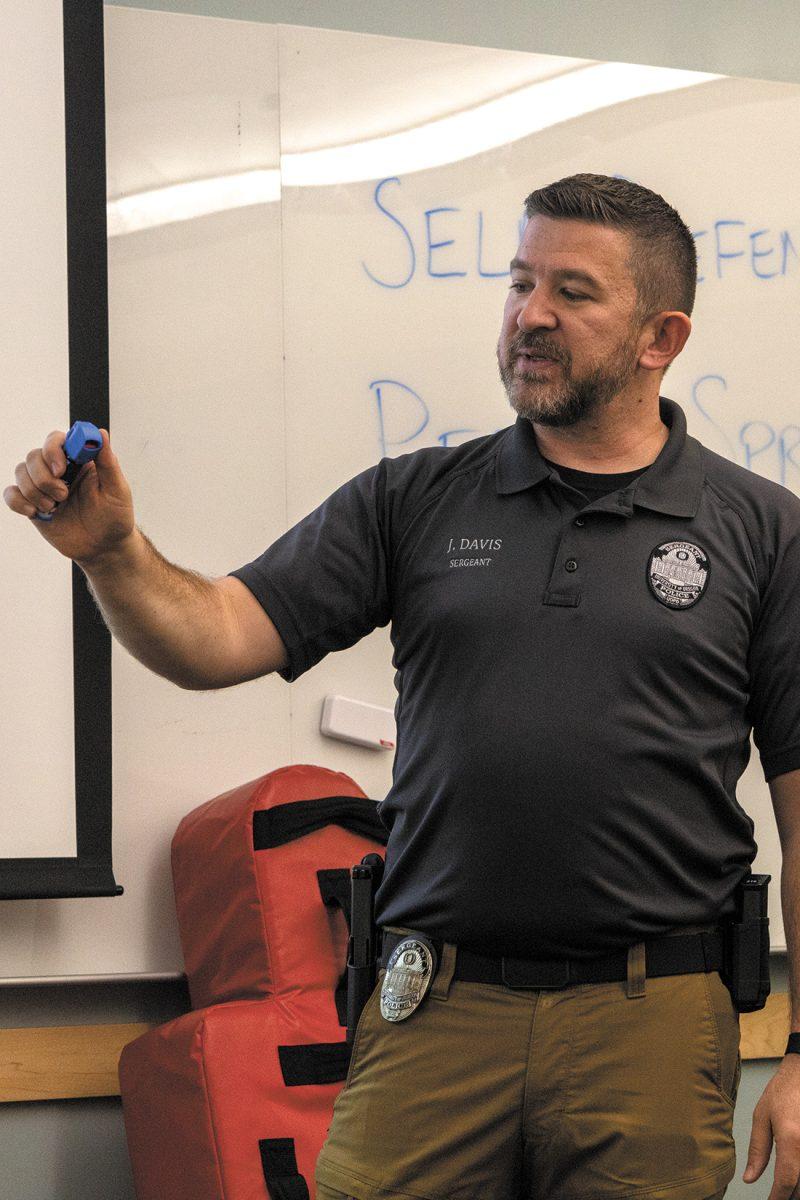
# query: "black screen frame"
90,872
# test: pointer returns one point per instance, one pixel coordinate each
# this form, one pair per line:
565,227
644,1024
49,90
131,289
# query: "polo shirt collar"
672,484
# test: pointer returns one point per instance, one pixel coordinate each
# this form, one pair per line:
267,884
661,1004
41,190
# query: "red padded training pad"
233,1101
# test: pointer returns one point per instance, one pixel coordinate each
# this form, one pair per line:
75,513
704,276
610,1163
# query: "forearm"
172,620
790,905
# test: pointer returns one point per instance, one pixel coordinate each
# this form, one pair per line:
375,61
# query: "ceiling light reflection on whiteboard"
449,139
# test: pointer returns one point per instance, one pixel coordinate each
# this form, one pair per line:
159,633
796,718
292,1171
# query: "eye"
517,284
573,295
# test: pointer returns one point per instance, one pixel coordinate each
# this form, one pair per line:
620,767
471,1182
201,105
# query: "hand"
93,517
777,1115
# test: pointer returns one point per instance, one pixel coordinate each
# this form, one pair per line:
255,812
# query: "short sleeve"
774,705
324,583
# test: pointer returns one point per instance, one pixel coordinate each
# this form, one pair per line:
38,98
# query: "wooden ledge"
764,1033
62,1062
68,1062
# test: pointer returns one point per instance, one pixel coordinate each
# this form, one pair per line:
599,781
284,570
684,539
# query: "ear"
664,335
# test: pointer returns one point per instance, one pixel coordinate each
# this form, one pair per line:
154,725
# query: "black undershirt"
591,484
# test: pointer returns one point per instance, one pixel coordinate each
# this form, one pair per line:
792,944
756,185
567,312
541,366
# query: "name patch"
479,544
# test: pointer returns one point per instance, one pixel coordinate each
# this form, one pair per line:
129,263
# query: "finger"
784,1181
17,502
787,1166
42,476
53,452
32,493
760,1147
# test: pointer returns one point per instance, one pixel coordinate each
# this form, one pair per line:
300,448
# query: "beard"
559,400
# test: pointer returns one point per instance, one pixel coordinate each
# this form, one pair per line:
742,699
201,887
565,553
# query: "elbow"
211,681
199,683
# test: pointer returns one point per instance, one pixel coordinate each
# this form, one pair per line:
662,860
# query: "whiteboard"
34,820
325,287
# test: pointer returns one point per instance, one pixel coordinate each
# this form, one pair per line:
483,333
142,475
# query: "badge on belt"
409,974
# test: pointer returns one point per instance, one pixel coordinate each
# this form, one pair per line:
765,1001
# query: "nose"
536,312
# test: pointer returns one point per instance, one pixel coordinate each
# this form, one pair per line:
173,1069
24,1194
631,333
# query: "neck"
614,441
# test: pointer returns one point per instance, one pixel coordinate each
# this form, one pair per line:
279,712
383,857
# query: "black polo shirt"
576,680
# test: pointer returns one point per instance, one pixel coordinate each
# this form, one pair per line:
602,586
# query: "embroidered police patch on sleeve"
678,573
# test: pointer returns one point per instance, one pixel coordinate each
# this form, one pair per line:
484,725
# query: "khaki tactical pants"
584,1093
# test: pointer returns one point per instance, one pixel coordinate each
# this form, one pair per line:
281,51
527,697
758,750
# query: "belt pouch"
746,946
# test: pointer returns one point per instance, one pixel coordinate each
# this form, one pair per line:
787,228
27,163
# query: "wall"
734,37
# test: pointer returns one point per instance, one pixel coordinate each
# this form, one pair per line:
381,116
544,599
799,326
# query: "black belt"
678,954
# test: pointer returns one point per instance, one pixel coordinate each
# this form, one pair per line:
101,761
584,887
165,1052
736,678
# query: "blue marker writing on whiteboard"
83,443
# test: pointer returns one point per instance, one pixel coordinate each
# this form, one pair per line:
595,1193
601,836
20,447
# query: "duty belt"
675,954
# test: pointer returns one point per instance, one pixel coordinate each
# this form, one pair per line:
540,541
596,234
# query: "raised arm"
197,632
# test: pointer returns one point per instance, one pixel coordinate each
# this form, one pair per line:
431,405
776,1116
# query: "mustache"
539,346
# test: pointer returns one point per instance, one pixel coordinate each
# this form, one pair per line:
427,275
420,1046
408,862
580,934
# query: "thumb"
106,460
109,477
760,1147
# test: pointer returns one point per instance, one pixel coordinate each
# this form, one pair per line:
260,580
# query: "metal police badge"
678,573
409,973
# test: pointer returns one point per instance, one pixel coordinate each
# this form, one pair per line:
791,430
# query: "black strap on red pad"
279,1163
318,1062
286,822
335,890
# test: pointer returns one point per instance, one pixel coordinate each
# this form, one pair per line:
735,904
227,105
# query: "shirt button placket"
564,588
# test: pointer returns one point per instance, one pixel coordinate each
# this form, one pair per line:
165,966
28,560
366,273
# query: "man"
589,613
